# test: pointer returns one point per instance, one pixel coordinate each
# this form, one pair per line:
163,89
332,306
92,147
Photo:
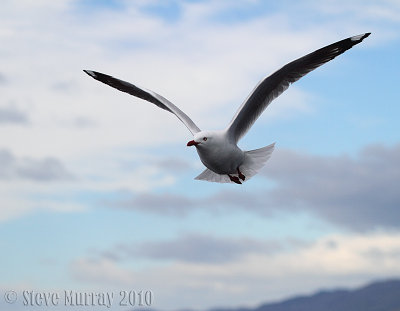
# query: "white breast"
223,159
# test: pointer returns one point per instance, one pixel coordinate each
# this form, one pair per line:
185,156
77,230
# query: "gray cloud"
173,164
7,161
180,205
11,114
47,169
158,203
3,79
359,193
83,122
201,248
166,164
65,86
196,248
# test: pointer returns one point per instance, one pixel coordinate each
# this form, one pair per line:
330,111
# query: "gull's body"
218,150
220,155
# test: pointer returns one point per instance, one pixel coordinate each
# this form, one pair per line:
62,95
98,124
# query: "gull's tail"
254,160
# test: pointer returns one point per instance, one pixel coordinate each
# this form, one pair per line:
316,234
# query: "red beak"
192,143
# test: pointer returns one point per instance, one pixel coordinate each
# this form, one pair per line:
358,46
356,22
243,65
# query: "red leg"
241,176
235,179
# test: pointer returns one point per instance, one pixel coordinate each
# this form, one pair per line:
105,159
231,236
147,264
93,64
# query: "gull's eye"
205,138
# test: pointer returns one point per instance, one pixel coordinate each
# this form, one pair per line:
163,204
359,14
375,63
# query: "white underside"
254,160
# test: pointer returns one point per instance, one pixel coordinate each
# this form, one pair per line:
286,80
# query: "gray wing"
147,95
274,85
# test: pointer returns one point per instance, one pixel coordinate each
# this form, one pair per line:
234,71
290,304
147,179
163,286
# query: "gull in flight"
218,150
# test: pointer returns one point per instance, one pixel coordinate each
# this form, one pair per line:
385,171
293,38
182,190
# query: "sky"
97,189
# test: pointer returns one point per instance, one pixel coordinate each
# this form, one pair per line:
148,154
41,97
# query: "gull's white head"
203,138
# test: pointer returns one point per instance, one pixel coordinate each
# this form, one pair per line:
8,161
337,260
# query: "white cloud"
204,67
386,10
18,202
11,114
335,260
111,274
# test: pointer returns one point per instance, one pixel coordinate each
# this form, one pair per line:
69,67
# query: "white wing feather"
147,95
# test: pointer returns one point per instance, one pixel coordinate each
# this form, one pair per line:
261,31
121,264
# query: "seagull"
225,162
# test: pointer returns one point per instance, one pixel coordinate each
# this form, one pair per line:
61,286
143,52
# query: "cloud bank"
47,169
358,193
335,260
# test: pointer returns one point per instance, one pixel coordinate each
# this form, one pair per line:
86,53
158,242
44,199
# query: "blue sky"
97,188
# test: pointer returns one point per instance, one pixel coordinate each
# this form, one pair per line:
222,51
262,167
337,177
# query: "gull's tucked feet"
235,179
241,176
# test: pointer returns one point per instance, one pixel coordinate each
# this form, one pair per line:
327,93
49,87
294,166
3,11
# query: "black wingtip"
90,73
361,37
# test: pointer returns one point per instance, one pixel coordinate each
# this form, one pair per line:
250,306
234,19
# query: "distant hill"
379,296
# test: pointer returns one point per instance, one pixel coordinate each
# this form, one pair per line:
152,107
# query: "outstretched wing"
274,85
147,95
